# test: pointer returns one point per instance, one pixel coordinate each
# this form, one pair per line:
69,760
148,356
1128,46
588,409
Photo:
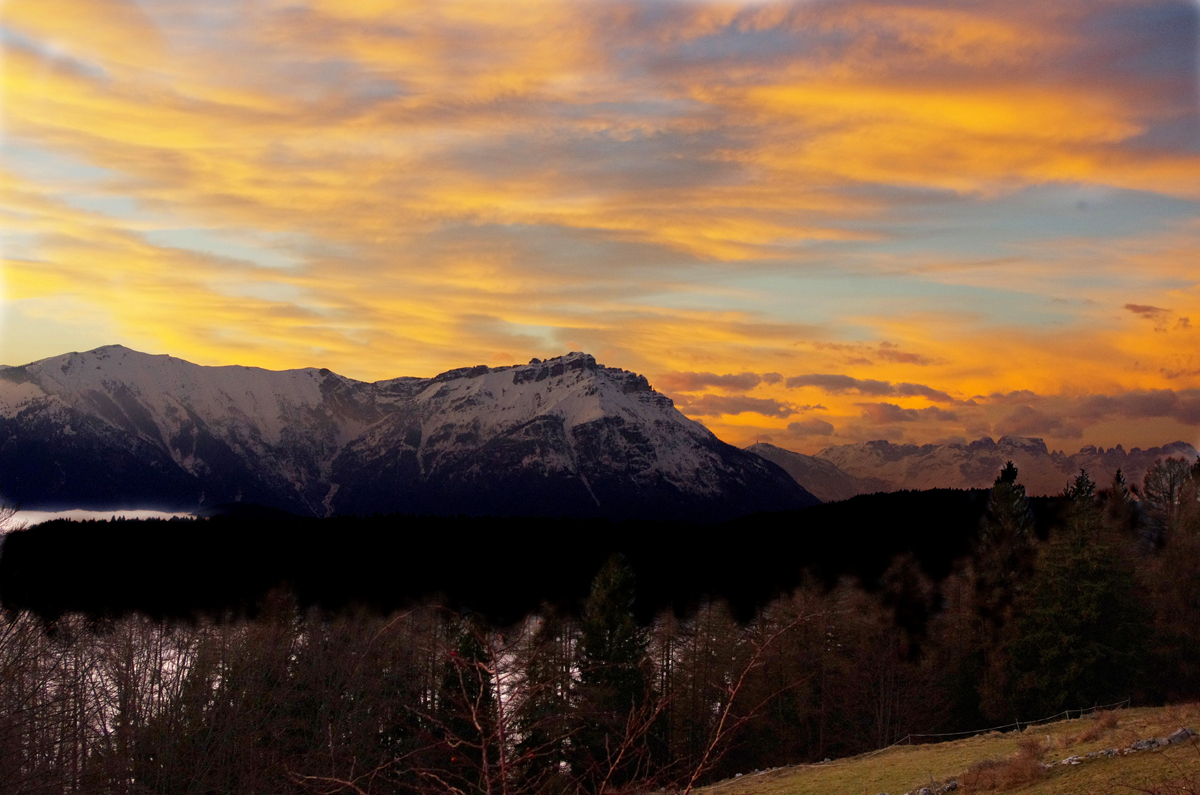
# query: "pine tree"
613,646
1009,516
1000,566
1082,636
1120,510
613,665
1004,554
1080,490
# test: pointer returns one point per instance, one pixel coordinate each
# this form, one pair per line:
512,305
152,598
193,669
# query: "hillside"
909,768
823,478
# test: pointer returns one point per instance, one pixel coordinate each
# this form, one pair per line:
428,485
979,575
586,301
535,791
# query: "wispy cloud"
836,384
1001,195
727,405
695,382
810,428
887,413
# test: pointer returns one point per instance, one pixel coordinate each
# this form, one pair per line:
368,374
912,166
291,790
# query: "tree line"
1085,599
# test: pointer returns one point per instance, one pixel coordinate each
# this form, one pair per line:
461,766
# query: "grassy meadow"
1008,762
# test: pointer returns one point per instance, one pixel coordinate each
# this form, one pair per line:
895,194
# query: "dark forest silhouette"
263,652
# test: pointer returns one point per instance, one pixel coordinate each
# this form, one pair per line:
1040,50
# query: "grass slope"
906,768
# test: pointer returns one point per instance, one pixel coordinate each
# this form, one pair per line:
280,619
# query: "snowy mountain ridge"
111,427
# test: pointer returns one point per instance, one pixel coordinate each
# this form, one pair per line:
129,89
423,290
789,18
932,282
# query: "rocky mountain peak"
117,428
1026,444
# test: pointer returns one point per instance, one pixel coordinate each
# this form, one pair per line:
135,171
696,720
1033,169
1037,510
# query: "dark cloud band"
837,384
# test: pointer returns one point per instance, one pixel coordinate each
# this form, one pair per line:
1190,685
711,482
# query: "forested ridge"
264,653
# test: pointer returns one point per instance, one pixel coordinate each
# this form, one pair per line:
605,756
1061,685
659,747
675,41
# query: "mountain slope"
117,428
822,477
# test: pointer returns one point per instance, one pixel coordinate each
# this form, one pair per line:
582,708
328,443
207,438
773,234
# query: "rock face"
976,465
822,477
116,428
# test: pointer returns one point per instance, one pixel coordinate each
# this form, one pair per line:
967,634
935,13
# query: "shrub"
1023,767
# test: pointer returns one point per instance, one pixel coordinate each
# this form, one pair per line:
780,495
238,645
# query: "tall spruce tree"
613,664
1119,509
612,645
1000,566
1004,554
1008,506
1082,635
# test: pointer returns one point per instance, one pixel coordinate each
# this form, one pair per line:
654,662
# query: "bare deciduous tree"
1167,490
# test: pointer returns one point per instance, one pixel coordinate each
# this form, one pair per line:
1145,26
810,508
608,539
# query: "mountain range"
115,428
842,471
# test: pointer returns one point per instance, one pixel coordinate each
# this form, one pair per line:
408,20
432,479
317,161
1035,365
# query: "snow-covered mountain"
976,465
116,428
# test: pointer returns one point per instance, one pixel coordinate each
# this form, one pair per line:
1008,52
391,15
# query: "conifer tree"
1009,515
1005,551
1083,512
612,645
1119,507
1001,564
613,682
1082,634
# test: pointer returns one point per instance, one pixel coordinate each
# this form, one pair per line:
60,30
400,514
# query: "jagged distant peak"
1031,444
976,464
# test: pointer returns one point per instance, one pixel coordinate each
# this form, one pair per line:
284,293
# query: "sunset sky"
810,223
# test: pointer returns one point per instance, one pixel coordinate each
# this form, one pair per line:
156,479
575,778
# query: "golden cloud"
457,182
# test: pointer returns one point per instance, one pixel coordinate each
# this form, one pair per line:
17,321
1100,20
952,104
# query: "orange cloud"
92,29
687,189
